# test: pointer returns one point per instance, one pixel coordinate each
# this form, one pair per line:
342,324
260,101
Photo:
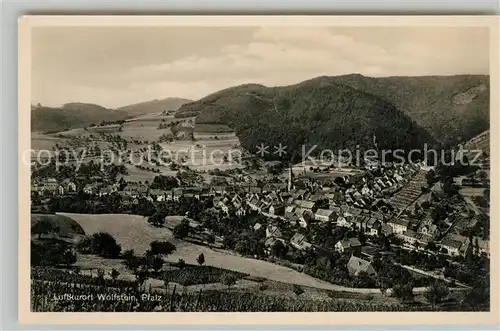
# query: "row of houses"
52,186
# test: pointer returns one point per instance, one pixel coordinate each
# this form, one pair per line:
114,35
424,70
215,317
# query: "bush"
102,244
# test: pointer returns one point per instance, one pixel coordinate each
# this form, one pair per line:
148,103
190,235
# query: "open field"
40,141
133,232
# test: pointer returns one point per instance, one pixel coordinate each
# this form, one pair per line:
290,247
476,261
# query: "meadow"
133,232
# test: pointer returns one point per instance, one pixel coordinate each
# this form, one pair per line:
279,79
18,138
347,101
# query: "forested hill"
315,112
71,115
451,108
153,106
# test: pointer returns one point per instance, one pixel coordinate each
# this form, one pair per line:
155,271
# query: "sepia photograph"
276,165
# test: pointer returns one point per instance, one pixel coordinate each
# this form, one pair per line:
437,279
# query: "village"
365,212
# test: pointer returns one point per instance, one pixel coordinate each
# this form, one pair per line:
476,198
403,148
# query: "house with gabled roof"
276,209
357,265
299,241
254,203
399,225
349,245
451,246
373,227
342,221
325,215
273,231
304,204
289,211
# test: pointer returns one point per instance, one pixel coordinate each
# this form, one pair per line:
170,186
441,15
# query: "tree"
157,263
435,293
128,254
162,248
297,290
279,249
114,274
200,259
157,219
404,292
361,237
105,245
430,176
132,262
43,226
181,264
431,247
228,279
210,240
182,230
69,257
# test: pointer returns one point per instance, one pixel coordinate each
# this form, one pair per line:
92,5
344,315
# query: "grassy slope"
133,232
67,226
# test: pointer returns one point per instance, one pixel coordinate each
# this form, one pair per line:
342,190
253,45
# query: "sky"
117,66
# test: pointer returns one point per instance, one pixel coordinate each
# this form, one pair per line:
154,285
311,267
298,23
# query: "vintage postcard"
285,170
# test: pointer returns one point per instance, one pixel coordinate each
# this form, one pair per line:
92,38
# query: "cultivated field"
133,232
410,192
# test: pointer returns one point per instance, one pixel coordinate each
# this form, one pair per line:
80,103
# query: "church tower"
290,178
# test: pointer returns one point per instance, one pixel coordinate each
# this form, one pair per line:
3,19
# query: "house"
365,191
399,225
429,229
69,185
254,204
356,265
177,193
271,241
276,209
91,188
409,237
257,226
105,191
304,204
330,197
386,229
342,221
224,207
159,195
324,215
255,190
351,211
299,194
273,231
135,190
51,184
348,245
219,190
60,190
451,246
294,220
289,211
306,218
373,227
298,241
241,211
237,199
359,222
484,247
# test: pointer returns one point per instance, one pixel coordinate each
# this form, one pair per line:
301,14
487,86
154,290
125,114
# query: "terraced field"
410,192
